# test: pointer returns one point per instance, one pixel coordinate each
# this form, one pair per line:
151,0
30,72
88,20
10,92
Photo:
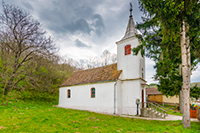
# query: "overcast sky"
83,28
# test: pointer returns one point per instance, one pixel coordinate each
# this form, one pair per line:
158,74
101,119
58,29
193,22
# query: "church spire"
130,30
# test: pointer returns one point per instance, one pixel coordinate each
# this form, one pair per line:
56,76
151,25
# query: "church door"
142,98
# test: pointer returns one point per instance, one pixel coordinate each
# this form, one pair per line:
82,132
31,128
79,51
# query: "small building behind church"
111,89
156,96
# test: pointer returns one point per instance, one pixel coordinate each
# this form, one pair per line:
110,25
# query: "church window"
127,49
92,92
68,93
142,73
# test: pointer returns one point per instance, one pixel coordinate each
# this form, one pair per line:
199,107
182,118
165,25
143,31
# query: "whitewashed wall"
130,92
126,93
118,105
81,97
131,65
130,87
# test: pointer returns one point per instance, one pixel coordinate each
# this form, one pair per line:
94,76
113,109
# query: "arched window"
68,93
127,49
93,92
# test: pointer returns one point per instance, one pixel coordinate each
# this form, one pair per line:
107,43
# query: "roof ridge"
95,67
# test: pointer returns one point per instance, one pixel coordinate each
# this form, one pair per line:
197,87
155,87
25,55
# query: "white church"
111,89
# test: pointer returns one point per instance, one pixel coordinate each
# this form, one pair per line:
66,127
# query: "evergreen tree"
170,31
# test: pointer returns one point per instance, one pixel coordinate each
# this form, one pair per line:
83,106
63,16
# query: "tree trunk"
181,93
186,79
2,97
181,102
188,57
10,82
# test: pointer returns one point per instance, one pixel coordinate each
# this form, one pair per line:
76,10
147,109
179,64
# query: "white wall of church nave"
81,97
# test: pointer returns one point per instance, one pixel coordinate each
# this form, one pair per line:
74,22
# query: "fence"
195,111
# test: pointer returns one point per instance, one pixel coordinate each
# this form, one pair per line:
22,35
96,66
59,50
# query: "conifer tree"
170,31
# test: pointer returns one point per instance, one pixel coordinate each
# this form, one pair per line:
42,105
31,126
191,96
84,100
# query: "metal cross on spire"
131,9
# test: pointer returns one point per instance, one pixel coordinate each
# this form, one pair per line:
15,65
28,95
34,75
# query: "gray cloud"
67,16
83,11
80,44
27,5
98,24
80,25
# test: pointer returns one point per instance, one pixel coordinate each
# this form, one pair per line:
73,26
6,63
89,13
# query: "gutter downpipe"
115,97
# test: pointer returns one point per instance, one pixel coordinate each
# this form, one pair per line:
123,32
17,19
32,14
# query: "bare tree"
108,58
23,38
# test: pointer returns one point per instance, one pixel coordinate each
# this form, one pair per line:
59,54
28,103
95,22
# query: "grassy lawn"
32,116
171,109
172,112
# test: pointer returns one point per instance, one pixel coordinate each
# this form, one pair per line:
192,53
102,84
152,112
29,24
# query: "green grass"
172,110
33,116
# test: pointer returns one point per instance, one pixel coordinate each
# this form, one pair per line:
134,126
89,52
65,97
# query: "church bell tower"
132,79
133,66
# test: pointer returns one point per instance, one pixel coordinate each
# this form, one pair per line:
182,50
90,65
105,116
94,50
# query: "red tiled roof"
152,91
99,74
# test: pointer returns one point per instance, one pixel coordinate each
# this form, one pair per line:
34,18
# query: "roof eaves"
89,83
